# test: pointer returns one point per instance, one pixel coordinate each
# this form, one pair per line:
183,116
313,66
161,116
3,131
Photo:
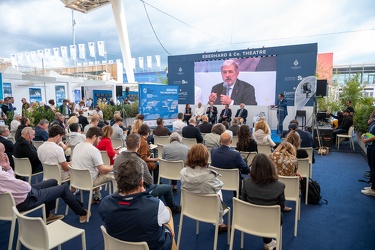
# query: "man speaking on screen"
232,91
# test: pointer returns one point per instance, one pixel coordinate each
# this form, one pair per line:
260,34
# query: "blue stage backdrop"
158,101
269,70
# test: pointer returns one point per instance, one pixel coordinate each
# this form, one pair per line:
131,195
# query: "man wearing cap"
343,128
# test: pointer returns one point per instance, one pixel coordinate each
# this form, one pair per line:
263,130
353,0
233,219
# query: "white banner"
133,62
82,51
33,56
73,52
56,52
149,62
28,58
20,58
92,49
157,57
64,52
140,60
101,48
47,53
40,53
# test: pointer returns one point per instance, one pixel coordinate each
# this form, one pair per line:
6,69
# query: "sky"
344,27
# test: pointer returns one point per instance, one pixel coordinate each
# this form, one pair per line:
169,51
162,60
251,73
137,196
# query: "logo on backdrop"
295,65
180,72
145,90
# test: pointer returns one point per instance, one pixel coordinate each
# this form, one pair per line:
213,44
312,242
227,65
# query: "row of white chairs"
163,140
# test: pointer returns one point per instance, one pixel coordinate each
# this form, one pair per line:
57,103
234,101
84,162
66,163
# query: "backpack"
313,196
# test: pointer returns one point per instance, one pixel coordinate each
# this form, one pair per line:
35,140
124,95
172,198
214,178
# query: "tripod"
315,126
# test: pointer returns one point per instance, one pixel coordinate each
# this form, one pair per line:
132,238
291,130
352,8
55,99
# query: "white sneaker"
369,192
365,188
270,246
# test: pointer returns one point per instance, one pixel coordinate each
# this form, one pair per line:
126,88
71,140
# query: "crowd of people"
135,212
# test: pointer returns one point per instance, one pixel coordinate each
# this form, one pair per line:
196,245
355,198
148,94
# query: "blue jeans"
163,190
47,192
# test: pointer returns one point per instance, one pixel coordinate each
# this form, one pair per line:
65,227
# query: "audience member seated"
75,135
25,122
94,123
294,139
191,131
144,151
29,196
87,156
82,120
306,137
196,177
15,122
226,125
136,125
343,128
245,141
179,123
97,111
339,118
226,114
133,214
205,126
23,148
160,130
175,151
51,153
132,145
212,140
41,133
4,133
234,128
105,143
262,134
284,157
59,120
263,188
118,132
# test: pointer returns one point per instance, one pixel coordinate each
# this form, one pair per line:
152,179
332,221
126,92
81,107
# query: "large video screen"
254,84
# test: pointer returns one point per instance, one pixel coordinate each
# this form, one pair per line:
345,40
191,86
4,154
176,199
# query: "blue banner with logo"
77,95
35,95
158,101
60,94
7,89
263,73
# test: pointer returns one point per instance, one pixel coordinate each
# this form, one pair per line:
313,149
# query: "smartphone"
118,147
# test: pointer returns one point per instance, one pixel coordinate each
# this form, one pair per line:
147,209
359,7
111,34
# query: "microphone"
224,91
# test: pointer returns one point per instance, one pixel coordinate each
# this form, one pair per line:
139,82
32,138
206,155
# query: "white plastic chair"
310,152
111,243
341,137
22,167
264,221
160,150
11,138
292,194
170,169
230,178
210,214
304,171
248,155
53,171
105,157
189,142
34,234
264,149
6,213
163,140
117,143
37,143
81,179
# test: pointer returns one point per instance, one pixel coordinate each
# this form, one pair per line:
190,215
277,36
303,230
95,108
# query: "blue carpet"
347,222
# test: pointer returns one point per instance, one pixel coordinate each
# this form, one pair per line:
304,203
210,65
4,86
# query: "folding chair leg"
83,241
11,237
179,231
197,228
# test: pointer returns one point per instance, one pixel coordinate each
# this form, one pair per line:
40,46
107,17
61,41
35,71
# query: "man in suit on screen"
232,91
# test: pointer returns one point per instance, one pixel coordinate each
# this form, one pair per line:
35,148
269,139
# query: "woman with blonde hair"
106,144
136,125
196,177
294,139
262,134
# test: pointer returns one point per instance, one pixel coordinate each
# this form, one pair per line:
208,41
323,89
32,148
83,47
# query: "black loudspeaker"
82,92
118,90
321,88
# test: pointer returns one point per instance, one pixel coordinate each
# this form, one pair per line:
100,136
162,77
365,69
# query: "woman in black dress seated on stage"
187,114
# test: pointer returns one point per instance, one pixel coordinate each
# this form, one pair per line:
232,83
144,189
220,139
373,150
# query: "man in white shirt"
75,135
179,124
87,156
94,123
15,122
199,112
51,153
118,133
